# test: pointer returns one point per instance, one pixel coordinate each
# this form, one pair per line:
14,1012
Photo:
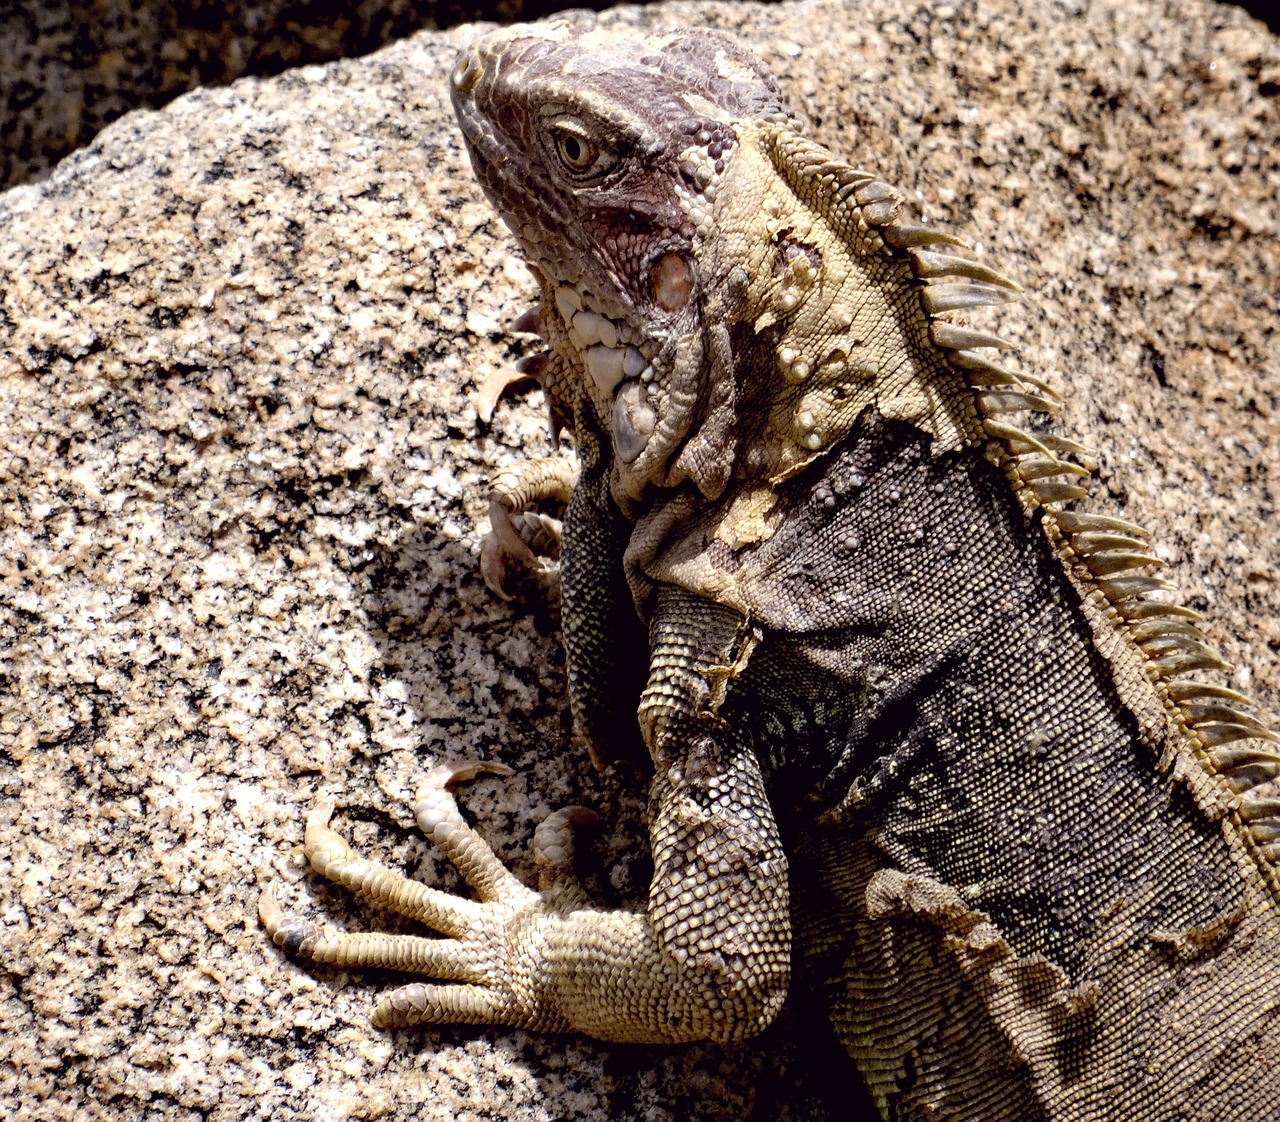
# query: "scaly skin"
897,693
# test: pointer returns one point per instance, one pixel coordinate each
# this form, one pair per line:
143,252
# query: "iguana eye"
576,152
574,146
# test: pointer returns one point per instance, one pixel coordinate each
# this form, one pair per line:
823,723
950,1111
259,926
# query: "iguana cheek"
634,420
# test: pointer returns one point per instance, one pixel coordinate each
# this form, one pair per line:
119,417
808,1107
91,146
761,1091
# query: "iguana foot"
482,960
522,540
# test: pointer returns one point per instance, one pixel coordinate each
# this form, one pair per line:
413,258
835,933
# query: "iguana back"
1011,908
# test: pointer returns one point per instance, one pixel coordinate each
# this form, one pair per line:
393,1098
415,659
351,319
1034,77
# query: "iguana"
921,729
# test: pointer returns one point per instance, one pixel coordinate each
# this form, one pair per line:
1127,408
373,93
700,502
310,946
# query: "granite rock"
242,490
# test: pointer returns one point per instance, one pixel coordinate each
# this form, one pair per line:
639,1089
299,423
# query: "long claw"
448,772
441,821
489,391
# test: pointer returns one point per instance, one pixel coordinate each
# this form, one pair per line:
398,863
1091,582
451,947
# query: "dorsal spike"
1255,806
1034,466
962,296
1051,491
1096,541
1055,442
1077,523
992,376
1220,713
1186,690
930,264
952,336
1188,660
1119,561
1049,391
1147,629
1117,589
1020,443
1188,644
1011,401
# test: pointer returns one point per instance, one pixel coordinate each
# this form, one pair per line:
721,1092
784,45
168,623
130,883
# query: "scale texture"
928,737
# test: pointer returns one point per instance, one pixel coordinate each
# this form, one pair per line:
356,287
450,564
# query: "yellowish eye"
575,152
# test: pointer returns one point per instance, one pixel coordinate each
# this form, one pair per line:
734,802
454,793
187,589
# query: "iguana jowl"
916,724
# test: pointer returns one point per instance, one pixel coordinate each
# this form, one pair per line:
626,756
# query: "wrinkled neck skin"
643,448
793,328
674,427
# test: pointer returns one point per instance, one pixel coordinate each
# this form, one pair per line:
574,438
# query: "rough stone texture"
242,484
69,67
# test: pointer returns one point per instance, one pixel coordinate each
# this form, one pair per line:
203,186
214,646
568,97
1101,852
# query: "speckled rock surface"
242,485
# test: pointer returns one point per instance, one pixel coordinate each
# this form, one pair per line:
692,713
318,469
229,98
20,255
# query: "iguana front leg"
709,958
519,535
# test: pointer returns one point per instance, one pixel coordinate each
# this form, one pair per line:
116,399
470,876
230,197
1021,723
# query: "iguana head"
603,156
722,297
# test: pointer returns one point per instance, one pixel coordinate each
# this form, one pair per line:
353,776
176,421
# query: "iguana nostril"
466,72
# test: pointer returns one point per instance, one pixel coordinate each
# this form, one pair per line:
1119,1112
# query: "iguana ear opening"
672,281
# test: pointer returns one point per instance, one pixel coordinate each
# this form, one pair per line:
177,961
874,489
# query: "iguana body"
915,728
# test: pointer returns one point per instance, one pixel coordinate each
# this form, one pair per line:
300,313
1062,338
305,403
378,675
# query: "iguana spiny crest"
722,298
